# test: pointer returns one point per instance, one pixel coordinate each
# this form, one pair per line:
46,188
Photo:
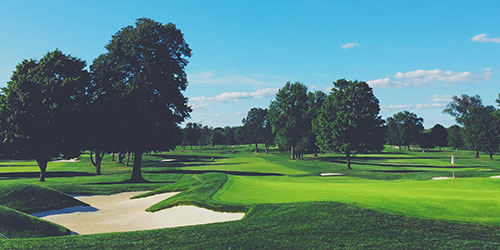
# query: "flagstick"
453,169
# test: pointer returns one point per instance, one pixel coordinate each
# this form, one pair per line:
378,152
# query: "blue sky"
415,55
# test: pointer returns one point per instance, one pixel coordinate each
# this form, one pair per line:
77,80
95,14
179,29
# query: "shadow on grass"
362,162
130,182
47,175
213,171
180,165
187,158
67,210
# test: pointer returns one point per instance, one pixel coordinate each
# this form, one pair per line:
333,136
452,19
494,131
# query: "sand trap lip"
70,160
118,213
495,176
167,160
441,178
330,174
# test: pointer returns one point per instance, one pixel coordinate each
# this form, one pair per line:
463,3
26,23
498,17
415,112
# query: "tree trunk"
267,149
476,156
113,155
256,147
136,170
491,156
291,153
408,147
92,157
399,147
98,159
120,157
128,158
348,158
42,164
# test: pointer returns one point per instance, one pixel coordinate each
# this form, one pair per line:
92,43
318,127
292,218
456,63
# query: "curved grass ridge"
29,198
196,190
15,224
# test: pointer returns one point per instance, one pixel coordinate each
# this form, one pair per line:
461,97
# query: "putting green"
470,199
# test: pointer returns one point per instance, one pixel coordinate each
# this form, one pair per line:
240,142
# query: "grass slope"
30,198
15,224
291,226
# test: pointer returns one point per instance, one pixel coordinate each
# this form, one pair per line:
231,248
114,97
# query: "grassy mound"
30,198
14,224
312,225
196,190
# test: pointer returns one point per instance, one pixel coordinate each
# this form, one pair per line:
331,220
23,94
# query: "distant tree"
193,133
205,136
439,136
394,132
42,108
426,141
461,106
482,130
288,116
405,127
349,120
229,135
315,100
217,136
255,124
456,137
147,62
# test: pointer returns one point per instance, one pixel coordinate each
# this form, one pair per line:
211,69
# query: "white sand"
330,174
70,160
118,213
167,160
495,176
440,178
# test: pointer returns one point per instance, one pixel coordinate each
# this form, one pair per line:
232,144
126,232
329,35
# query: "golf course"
388,200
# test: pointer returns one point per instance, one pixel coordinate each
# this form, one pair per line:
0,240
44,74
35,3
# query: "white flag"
452,160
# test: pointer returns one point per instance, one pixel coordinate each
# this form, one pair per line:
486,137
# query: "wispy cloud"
211,77
237,96
483,38
398,107
441,98
420,78
349,45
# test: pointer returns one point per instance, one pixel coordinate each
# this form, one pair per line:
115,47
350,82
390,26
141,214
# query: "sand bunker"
118,213
330,174
440,178
70,160
495,176
167,160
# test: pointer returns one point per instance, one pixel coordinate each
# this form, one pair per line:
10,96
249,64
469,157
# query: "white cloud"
349,45
210,77
239,113
199,106
420,77
441,98
483,38
399,107
237,96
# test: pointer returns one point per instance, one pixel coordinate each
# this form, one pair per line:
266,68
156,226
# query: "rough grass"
313,225
15,224
32,198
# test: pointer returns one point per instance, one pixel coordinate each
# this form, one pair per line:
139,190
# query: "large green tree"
404,128
255,124
349,121
482,130
289,117
439,136
460,106
42,108
146,63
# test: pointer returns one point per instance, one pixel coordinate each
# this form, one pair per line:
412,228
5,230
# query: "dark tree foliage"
255,125
42,108
205,136
461,106
404,128
192,133
456,137
482,130
439,136
217,136
426,141
229,135
289,117
348,121
145,63
315,100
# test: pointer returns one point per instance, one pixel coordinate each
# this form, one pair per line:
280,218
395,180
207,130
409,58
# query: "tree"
349,122
42,108
404,128
255,123
439,136
288,116
146,62
456,137
217,137
482,130
426,141
192,132
460,107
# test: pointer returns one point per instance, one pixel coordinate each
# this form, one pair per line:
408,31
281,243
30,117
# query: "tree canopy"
439,136
349,120
42,108
404,128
